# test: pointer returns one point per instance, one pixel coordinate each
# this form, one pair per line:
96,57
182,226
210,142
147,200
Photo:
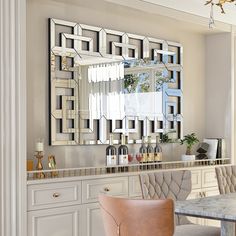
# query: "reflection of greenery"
142,62
137,83
166,139
161,79
139,62
130,82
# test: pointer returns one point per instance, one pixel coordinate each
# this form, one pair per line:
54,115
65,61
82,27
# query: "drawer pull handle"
106,189
55,195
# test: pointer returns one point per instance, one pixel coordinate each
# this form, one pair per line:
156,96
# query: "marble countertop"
220,207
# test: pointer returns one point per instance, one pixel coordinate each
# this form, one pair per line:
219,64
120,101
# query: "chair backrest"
226,178
175,185
133,217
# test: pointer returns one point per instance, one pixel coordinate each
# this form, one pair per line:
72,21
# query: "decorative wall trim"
13,118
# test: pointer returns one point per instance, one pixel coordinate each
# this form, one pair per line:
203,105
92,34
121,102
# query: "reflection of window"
137,83
105,72
162,77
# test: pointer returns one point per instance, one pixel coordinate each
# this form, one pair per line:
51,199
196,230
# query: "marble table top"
220,207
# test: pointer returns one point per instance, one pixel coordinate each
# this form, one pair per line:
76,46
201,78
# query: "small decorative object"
202,150
189,140
39,147
221,148
212,150
30,165
52,165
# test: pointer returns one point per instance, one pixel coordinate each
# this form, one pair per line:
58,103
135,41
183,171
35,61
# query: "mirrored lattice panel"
105,81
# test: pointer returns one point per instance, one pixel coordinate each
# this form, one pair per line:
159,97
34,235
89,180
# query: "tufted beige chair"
169,184
226,177
175,185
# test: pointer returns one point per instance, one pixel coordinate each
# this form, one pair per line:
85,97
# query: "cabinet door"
94,223
196,179
209,178
135,187
63,221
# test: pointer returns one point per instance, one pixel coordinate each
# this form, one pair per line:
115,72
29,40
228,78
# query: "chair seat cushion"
196,230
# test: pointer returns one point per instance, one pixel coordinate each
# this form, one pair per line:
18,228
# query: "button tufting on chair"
226,177
161,185
176,185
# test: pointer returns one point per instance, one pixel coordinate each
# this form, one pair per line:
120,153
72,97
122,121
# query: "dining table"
221,207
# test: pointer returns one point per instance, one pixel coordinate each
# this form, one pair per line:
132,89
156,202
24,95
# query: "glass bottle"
123,154
158,150
111,158
143,151
150,152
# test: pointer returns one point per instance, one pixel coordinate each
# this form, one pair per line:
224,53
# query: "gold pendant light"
220,4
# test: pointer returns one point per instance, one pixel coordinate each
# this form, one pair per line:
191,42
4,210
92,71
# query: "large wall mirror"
104,81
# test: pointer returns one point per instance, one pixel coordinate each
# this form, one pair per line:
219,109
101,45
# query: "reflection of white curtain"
117,105
143,104
105,72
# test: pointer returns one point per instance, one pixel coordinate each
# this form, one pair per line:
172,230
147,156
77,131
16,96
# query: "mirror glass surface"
104,81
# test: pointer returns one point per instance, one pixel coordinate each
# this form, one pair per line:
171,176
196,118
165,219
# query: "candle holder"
39,166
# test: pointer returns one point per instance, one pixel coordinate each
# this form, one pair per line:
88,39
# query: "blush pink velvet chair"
133,217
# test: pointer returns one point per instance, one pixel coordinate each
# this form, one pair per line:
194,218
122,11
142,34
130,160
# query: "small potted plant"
189,140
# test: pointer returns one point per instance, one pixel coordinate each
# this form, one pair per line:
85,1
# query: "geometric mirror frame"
105,81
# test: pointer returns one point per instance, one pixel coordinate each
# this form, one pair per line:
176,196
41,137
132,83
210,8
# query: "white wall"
116,17
218,88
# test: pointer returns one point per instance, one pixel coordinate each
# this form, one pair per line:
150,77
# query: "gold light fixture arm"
220,4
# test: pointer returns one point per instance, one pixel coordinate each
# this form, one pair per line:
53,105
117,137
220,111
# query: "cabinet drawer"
196,179
134,186
209,178
112,186
42,196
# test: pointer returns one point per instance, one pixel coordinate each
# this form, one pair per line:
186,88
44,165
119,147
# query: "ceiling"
191,14
197,7
192,11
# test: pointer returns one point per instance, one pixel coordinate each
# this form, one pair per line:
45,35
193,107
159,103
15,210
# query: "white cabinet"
196,179
63,221
71,208
94,223
209,178
134,187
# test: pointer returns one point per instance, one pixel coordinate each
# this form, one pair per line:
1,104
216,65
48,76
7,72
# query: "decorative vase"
188,157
